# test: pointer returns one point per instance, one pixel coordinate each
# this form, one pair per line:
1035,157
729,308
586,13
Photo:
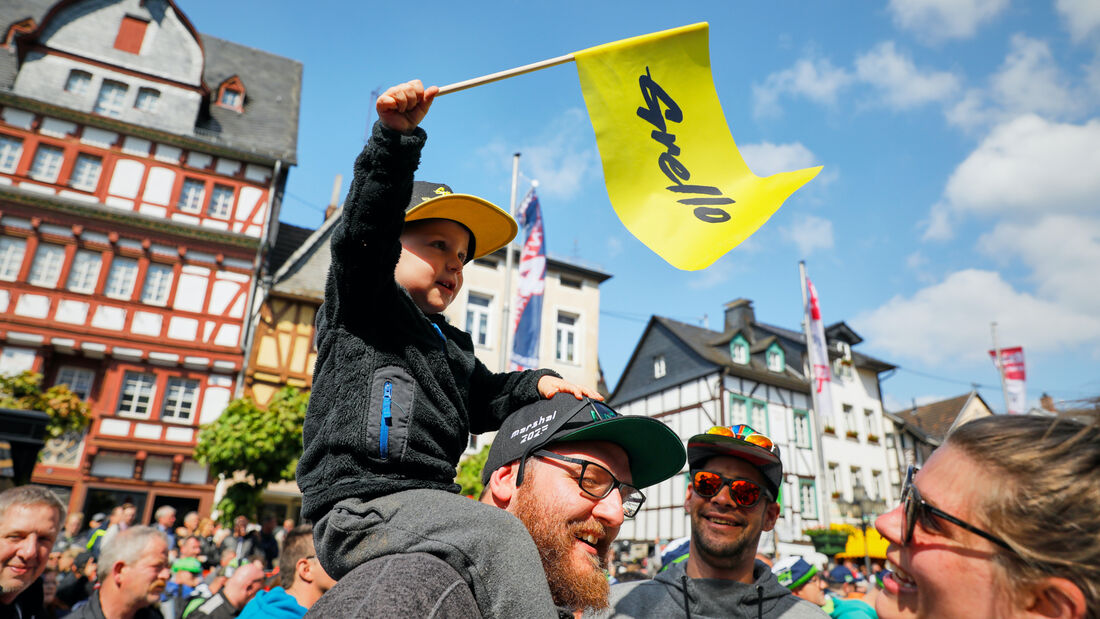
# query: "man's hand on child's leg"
549,386
402,107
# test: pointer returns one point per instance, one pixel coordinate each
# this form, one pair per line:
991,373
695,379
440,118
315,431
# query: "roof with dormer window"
267,125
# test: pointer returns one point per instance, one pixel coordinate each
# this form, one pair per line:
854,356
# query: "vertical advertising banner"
820,373
1011,365
532,283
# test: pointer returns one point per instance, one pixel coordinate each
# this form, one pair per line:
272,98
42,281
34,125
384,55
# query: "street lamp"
866,507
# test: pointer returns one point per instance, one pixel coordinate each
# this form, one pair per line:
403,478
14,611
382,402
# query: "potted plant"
828,429
828,541
873,438
852,434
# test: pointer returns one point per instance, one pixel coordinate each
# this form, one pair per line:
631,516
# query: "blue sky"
961,145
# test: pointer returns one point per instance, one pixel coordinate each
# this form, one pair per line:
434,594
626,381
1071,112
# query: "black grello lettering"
660,107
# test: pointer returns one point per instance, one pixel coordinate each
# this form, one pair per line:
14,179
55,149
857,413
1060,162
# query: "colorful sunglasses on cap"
743,432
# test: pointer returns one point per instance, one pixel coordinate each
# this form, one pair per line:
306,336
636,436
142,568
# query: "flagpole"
821,473
500,75
506,307
1000,365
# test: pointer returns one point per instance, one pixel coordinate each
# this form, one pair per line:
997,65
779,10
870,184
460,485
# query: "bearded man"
571,472
735,477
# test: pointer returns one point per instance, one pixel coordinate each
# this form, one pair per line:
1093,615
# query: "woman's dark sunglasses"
915,508
598,482
743,492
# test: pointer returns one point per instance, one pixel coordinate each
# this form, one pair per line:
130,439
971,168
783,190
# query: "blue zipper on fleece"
387,419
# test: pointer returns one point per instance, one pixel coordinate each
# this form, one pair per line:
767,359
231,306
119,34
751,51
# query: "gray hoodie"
709,597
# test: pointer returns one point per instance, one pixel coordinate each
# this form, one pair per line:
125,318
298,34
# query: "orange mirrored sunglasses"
743,432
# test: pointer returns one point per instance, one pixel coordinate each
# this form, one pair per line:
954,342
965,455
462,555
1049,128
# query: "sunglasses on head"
916,509
743,492
743,432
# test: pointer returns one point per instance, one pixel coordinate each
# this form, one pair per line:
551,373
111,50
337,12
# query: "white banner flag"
1011,365
820,373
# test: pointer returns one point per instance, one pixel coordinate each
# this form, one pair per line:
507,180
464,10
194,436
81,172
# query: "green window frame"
751,405
803,485
803,438
775,351
739,343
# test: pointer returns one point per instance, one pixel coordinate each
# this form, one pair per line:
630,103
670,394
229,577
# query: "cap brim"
654,450
491,225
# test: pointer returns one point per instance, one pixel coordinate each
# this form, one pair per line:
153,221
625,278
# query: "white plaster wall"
180,328
158,187
107,317
191,289
72,312
33,306
228,335
126,178
214,401
146,323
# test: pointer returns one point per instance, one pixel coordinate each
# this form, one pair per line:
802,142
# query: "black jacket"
396,392
29,603
93,610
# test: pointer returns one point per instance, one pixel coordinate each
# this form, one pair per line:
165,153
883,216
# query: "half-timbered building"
141,169
692,378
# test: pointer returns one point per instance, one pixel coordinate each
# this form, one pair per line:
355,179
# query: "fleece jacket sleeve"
366,242
494,396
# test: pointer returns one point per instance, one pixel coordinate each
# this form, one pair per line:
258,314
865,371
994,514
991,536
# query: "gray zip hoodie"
664,596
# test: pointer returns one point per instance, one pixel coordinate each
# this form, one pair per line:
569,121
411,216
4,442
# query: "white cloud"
1029,166
809,233
900,82
1062,253
715,275
813,78
765,158
556,158
949,321
1031,81
1082,17
945,19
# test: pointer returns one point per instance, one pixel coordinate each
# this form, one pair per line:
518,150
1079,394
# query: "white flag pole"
506,306
821,472
500,75
1000,366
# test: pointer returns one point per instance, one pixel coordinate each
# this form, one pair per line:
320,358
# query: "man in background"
133,571
30,521
304,581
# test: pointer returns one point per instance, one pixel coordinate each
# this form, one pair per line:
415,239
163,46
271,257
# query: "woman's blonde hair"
1046,502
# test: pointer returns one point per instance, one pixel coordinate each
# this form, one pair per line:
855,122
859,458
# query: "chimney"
333,203
739,314
1047,403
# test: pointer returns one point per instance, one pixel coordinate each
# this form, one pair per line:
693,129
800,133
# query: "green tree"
263,444
469,472
68,413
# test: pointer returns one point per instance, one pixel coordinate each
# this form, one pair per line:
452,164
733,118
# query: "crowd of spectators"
195,567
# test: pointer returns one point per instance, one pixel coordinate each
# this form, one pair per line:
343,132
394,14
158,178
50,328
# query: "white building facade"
692,378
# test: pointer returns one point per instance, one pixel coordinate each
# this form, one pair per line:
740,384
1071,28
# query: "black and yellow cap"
491,226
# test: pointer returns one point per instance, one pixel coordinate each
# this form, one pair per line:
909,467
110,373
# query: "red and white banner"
1011,366
820,372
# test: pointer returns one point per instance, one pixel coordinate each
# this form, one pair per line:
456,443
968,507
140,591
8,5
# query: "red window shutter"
130,34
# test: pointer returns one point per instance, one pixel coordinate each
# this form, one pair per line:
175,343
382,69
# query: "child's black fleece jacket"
396,392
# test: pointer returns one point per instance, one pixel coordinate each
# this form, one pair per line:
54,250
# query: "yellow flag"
673,172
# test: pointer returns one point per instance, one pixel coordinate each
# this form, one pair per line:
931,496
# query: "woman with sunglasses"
1002,521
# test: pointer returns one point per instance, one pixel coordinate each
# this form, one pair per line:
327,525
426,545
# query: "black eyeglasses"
743,492
598,482
915,508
